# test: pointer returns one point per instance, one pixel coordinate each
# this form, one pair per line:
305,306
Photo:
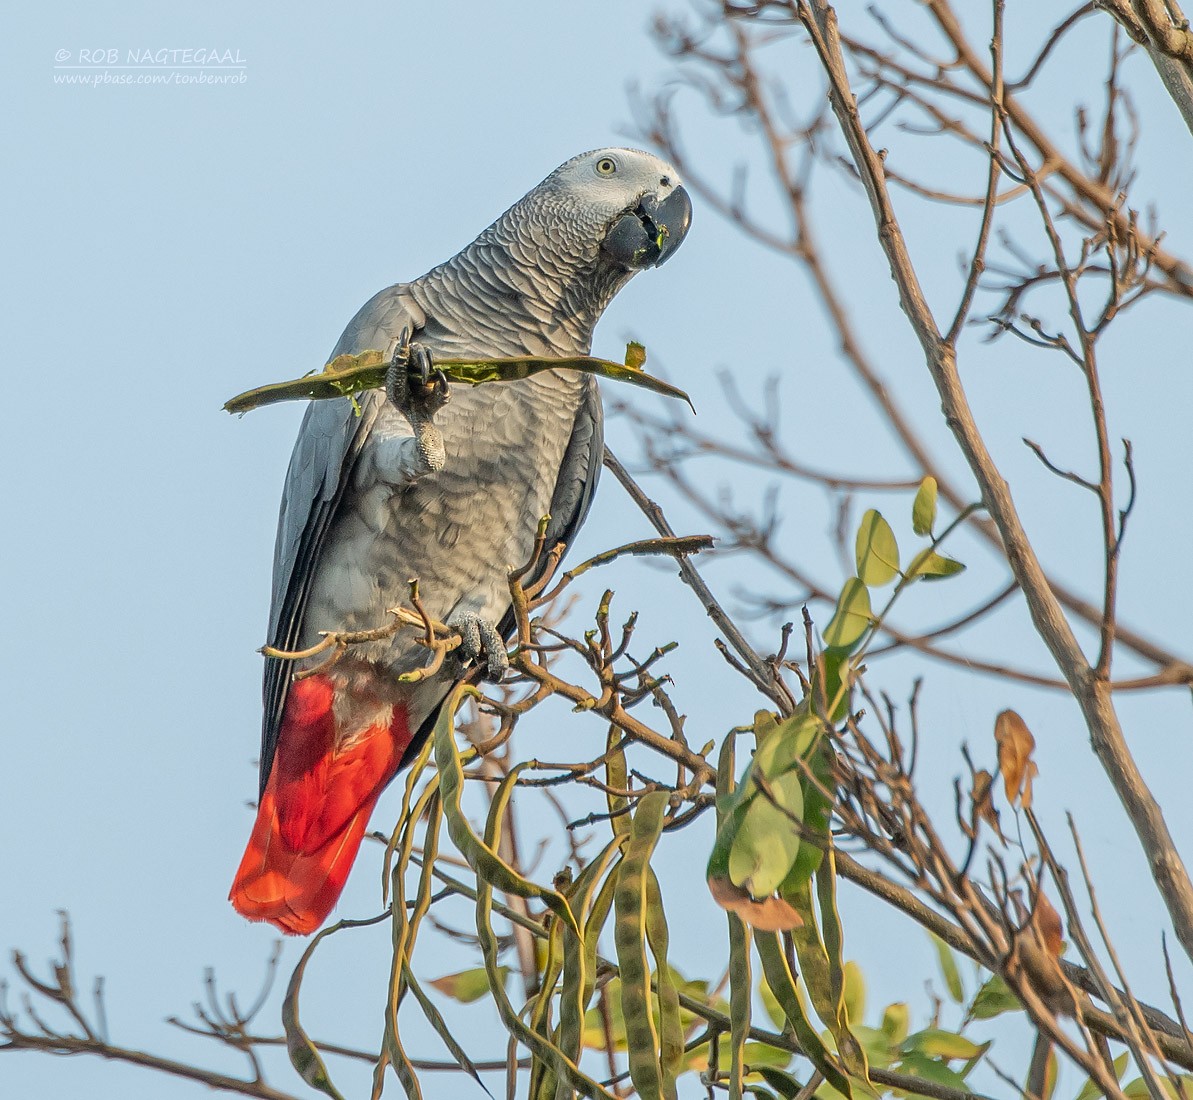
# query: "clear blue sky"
170,245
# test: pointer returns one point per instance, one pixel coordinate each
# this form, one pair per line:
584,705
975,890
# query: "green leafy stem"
349,375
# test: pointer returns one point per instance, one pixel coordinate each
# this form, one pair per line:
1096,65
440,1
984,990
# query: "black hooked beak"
647,235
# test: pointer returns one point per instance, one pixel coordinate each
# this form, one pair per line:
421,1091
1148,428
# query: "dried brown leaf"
1015,746
982,798
771,914
1036,953
1049,929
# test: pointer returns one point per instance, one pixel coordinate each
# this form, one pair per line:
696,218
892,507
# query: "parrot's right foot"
412,383
480,643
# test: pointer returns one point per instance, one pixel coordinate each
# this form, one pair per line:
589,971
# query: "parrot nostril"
665,181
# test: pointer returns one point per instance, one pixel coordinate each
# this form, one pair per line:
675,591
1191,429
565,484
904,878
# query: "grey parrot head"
628,202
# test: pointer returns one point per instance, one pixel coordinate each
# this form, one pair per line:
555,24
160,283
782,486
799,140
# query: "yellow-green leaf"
923,509
854,994
993,999
876,551
852,615
895,1021
932,566
948,969
467,986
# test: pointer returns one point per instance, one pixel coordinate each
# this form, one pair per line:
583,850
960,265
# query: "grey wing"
580,469
329,441
578,474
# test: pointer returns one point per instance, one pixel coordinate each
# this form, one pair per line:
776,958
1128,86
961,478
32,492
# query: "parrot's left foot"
418,392
412,383
481,644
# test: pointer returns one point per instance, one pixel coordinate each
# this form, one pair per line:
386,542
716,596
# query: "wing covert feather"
329,441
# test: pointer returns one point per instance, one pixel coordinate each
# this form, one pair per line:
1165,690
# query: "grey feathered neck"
538,271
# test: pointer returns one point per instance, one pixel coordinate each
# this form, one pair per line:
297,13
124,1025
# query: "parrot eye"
606,166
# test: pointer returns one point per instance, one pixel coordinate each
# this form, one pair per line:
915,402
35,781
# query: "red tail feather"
314,811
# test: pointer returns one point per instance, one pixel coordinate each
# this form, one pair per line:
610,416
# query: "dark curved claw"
412,383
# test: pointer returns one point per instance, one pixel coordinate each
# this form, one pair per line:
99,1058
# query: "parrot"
443,484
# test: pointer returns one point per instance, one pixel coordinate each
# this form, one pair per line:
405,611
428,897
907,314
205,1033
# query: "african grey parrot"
449,493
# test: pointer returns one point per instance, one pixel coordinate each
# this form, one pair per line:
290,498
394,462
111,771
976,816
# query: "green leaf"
594,1020
817,812
348,375
1138,1090
993,999
923,508
780,743
733,803
761,1057
932,566
834,669
851,617
876,551
919,1065
758,1058
1186,1080
767,842
880,1051
784,1084
758,842
948,969
467,986
938,1043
